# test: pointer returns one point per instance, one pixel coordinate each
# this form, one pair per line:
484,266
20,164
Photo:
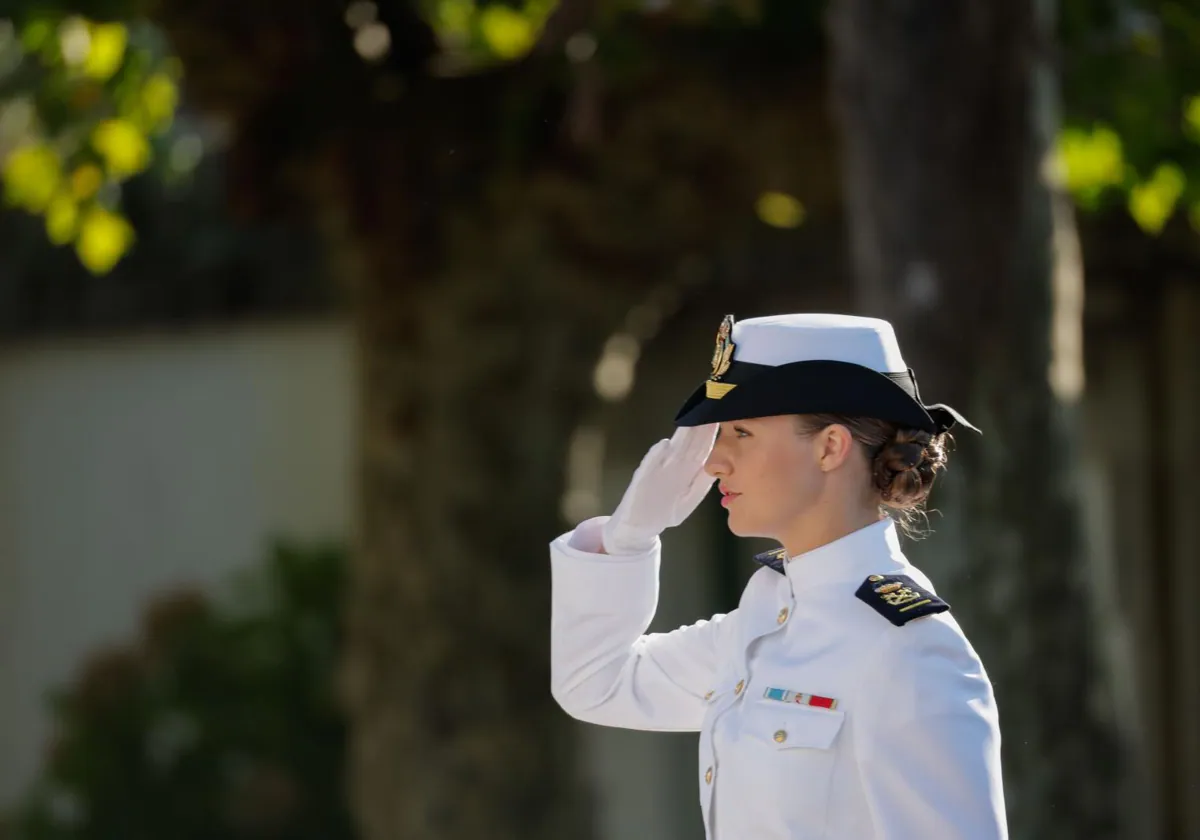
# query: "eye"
740,432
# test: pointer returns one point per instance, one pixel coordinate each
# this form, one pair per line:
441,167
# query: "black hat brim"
816,387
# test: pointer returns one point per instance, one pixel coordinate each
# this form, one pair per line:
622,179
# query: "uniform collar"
849,558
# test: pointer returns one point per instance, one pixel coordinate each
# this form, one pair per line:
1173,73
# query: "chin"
741,528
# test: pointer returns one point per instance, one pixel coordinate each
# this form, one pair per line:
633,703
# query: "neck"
823,524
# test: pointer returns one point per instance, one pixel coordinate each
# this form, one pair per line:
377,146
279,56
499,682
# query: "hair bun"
905,467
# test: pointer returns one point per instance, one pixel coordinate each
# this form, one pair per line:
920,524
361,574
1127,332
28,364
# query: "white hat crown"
781,339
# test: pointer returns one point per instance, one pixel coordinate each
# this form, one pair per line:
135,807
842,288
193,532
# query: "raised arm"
604,667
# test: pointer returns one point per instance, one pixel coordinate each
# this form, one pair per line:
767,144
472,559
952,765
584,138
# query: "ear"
834,445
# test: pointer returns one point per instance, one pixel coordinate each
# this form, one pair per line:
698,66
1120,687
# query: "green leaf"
107,50
508,32
780,210
1092,161
1152,202
123,145
31,177
62,219
104,237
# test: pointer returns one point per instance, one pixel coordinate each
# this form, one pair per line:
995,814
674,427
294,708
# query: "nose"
717,465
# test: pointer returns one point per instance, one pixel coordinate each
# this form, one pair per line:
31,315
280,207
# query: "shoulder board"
773,559
899,599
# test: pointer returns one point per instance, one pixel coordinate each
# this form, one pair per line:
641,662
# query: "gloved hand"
668,485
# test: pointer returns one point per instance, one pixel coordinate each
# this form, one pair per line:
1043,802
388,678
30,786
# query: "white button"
708,776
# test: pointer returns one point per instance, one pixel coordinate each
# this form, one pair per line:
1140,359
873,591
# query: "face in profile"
768,474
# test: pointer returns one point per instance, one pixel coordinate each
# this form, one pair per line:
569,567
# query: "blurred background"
320,319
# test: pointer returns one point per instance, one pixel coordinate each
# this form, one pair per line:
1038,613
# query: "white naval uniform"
911,751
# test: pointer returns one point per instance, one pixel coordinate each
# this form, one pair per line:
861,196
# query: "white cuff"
589,535
587,540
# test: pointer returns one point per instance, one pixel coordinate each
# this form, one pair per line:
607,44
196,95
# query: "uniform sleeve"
604,668
928,743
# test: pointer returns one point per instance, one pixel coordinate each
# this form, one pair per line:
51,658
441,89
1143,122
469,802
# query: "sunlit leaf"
1152,202
1092,161
31,177
62,219
107,50
159,98
780,210
123,146
104,237
509,33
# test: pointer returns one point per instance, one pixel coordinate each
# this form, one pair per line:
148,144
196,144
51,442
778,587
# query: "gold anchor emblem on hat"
722,357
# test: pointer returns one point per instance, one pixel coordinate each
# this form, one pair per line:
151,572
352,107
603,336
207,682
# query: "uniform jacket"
819,718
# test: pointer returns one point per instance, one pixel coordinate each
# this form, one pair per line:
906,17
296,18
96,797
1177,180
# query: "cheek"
782,485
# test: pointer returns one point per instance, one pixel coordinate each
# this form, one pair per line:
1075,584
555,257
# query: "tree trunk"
476,347
493,231
475,370
469,393
947,111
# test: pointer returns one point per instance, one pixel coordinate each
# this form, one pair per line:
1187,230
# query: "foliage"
219,721
84,105
1131,76
485,32
89,90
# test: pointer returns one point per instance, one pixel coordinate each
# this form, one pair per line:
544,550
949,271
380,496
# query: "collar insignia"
773,559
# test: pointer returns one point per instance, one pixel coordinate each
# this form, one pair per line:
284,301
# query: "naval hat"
812,364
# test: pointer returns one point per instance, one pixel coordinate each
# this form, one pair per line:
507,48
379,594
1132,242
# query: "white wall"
130,465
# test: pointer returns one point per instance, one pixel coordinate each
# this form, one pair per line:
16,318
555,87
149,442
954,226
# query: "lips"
727,496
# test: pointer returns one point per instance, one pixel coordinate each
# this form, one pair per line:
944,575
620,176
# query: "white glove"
668,485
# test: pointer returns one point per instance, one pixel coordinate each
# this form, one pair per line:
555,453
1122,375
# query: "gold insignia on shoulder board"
901,595
723,353
899,598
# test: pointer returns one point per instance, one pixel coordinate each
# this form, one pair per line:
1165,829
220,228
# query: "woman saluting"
840,700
